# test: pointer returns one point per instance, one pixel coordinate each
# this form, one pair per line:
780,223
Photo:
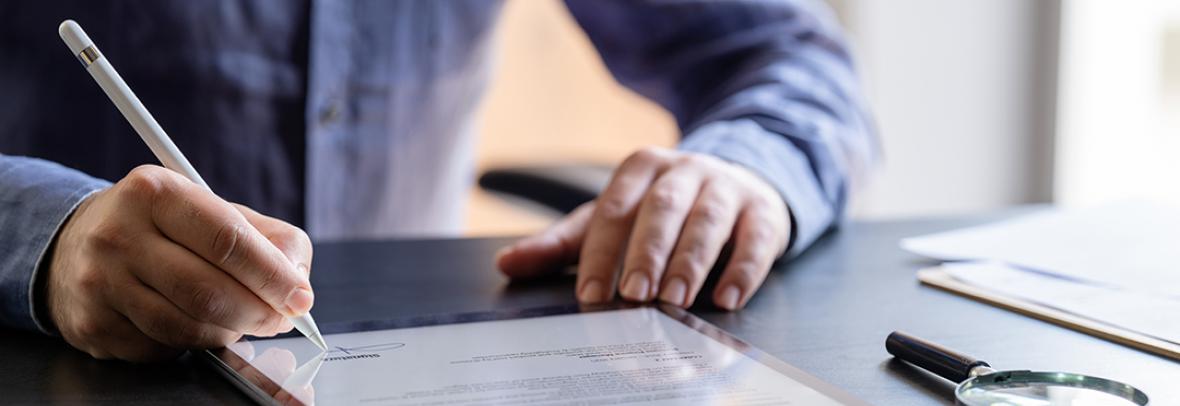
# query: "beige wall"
553,101
963,95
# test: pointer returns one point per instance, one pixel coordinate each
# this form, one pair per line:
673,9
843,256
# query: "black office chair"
556,188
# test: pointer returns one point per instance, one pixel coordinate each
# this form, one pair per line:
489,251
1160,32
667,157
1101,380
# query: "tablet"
557,355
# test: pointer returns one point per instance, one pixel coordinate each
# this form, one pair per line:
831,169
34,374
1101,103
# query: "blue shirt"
354,118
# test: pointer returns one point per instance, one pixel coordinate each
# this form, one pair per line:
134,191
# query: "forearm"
36,197
795,117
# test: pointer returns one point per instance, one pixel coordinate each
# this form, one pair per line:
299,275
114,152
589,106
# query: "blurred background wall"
981,104
1119,102
962,91
553,101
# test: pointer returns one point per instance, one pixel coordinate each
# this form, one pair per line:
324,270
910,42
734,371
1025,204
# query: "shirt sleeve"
766,84
36,197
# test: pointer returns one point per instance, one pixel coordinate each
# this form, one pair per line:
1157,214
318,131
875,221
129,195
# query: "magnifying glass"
980,385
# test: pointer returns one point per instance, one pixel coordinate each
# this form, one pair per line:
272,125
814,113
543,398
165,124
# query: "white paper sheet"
1147,314
635,356
1129,245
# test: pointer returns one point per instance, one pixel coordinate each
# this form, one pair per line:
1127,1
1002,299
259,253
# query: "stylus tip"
318,340
306,325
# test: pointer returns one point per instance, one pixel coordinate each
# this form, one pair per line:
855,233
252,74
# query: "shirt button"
330,113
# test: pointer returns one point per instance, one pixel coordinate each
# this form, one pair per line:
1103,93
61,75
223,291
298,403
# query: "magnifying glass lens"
1047,389
1042,396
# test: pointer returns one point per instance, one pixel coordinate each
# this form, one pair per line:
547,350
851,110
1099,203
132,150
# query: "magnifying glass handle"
932,357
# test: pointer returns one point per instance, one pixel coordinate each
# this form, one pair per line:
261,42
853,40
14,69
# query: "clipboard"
939,278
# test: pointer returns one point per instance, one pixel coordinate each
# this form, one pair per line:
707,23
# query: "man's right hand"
157,264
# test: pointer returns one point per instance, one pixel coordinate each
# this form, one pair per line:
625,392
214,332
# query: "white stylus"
147,127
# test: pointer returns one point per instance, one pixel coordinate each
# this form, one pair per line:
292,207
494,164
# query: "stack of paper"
1117,265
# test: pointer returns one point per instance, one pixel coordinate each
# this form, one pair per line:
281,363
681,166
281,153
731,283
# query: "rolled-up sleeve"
766,84
36,197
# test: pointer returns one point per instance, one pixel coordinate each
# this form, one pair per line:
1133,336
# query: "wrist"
57,256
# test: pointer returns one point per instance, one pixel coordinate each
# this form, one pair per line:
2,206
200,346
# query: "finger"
202,291
292,241
657,226
105,334
126,342
755,247
614,212
214,230
708,227
541,253
163,322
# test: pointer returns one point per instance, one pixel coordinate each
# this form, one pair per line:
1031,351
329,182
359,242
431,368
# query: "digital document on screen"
628,356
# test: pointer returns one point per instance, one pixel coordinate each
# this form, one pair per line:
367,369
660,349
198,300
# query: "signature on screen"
339,353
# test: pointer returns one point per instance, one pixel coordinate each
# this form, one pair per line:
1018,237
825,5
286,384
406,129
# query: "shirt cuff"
777,161
36,198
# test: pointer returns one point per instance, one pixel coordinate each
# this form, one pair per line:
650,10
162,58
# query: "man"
353,120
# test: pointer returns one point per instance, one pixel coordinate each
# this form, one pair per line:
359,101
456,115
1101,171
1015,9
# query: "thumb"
548,250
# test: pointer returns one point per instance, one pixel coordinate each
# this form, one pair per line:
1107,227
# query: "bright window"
1119,102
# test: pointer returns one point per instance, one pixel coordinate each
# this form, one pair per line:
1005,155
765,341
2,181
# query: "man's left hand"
665,217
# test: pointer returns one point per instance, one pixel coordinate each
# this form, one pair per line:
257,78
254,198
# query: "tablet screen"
643,355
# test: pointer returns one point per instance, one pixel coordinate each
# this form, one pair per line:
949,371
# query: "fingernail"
637,287
299,301
729,298
303,270
591,292
675,292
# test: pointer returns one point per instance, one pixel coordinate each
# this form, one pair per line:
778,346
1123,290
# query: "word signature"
365,349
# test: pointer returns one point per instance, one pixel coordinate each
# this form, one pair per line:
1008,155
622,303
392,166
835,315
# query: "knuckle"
709,213
657,243
746,271
146,181
208,303
644,156
760,232
227,243
90,280
613,208
664,198
293,236
301,237
695,160
87,326
693,256
111,236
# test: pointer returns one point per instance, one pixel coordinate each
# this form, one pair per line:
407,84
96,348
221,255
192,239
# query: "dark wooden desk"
828,313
